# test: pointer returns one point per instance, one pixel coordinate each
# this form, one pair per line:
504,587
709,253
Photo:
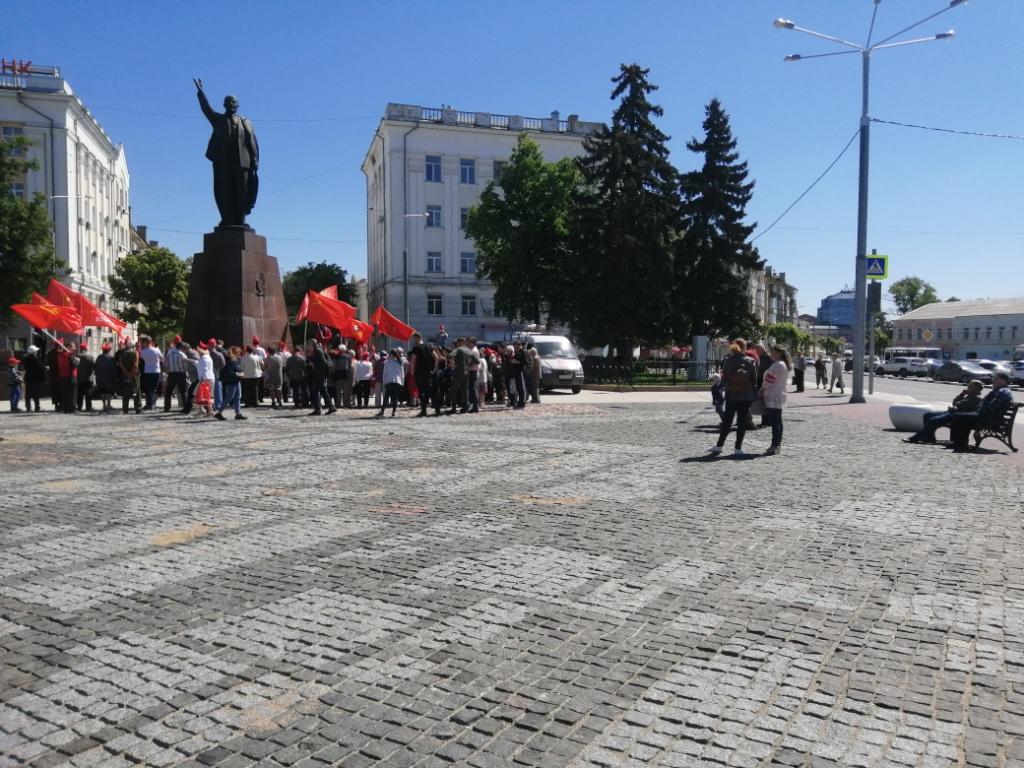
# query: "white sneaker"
737,452
715,449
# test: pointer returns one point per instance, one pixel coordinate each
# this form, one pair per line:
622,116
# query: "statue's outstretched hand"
199,84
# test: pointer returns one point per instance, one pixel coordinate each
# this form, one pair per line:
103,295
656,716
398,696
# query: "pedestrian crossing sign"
878,266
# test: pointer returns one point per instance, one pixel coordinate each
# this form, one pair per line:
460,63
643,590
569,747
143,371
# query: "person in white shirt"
252,373
152,362
394,380
207,378
482,380
364,375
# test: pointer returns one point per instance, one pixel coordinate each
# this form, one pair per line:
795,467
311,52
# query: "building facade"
83,175
772,299
839,310
425,168
984,328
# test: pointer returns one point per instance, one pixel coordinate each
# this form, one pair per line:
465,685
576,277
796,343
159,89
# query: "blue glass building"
837,309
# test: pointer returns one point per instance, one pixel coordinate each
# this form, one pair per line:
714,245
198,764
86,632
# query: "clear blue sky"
315,78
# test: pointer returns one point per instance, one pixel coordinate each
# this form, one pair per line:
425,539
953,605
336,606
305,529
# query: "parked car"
902,366
560,366
994,366
962,371
929,365
1017,373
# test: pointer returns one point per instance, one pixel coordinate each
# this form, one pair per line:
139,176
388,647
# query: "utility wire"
271,237
803,194
950,130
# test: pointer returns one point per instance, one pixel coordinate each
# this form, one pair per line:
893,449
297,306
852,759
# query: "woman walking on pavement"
773,393
837,375
740,374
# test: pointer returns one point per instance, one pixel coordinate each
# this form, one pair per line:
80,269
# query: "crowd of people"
322,375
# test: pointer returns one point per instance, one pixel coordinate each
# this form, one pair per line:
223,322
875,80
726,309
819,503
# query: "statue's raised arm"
204,103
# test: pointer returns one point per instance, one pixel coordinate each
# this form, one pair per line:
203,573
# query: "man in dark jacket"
35,376
86,366
319,366
462,358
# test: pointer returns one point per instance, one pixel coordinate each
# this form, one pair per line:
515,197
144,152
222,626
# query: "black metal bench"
1001,430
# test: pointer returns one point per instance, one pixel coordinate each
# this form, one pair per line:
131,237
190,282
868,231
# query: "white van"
560,366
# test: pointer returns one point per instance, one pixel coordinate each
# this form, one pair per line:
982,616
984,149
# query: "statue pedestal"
235,291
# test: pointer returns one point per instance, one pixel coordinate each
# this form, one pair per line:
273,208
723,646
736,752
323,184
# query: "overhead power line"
803,194
983,134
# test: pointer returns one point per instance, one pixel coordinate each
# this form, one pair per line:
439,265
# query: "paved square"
549,588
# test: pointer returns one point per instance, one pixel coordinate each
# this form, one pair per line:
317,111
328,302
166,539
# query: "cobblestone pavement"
547,588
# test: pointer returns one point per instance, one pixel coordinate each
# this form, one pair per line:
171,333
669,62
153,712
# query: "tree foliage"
27,260
714,255
788,336
154,285
627,221
910,293
314,277
521,231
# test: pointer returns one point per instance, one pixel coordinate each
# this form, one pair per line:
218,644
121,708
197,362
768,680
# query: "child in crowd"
718,394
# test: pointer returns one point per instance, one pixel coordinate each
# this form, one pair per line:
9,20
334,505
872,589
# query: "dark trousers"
391,394
460,393
474,398
84,396
933,421
960,426
299,394
67,395
424,388
362,393
32,390
150,381
231,398
739,410
175,381
774,417
798,379
318,394
187,408
250,394
131,392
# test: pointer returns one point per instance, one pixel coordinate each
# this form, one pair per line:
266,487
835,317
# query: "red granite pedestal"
235,291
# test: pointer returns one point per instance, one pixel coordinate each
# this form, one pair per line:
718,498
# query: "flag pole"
55,339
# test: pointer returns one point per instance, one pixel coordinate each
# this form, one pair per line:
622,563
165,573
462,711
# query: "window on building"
499,166
976,333
434,261
1001,333
463,218
1013,332
467,171
469,305
949,334
988,333
8,132
435,304
434,216
899,334
920,333
433,168
17,190
467,263
967,334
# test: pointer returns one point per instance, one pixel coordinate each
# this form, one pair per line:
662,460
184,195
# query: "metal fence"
629,373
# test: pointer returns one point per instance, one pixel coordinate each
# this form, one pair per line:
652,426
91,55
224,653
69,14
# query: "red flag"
331,292
357,330
330,312
391,326
46,315
303,309
61,295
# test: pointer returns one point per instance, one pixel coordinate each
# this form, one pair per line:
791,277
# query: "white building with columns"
424,169
82,173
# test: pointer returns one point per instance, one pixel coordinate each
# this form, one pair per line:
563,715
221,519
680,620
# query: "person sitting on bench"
967,401
991,410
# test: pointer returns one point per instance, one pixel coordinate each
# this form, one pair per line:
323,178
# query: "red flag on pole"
61,295
331,292
43,314
391,326
358,330
326,311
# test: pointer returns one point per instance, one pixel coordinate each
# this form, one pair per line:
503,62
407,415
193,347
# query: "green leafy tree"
27,259
714,254
785,334
521,230
626,224
313,277
153,283
831,344
910,293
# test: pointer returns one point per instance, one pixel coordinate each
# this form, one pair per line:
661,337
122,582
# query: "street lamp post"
860,286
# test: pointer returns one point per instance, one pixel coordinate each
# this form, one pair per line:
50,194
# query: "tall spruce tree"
627,219
714,255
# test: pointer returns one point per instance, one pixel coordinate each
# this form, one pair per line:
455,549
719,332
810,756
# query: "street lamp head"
793,57
955,3
784,23
946,35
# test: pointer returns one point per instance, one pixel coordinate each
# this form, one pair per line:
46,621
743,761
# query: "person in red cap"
106,378
86,366
14,380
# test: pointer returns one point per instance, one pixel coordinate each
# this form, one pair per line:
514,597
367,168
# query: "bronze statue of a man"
236,158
